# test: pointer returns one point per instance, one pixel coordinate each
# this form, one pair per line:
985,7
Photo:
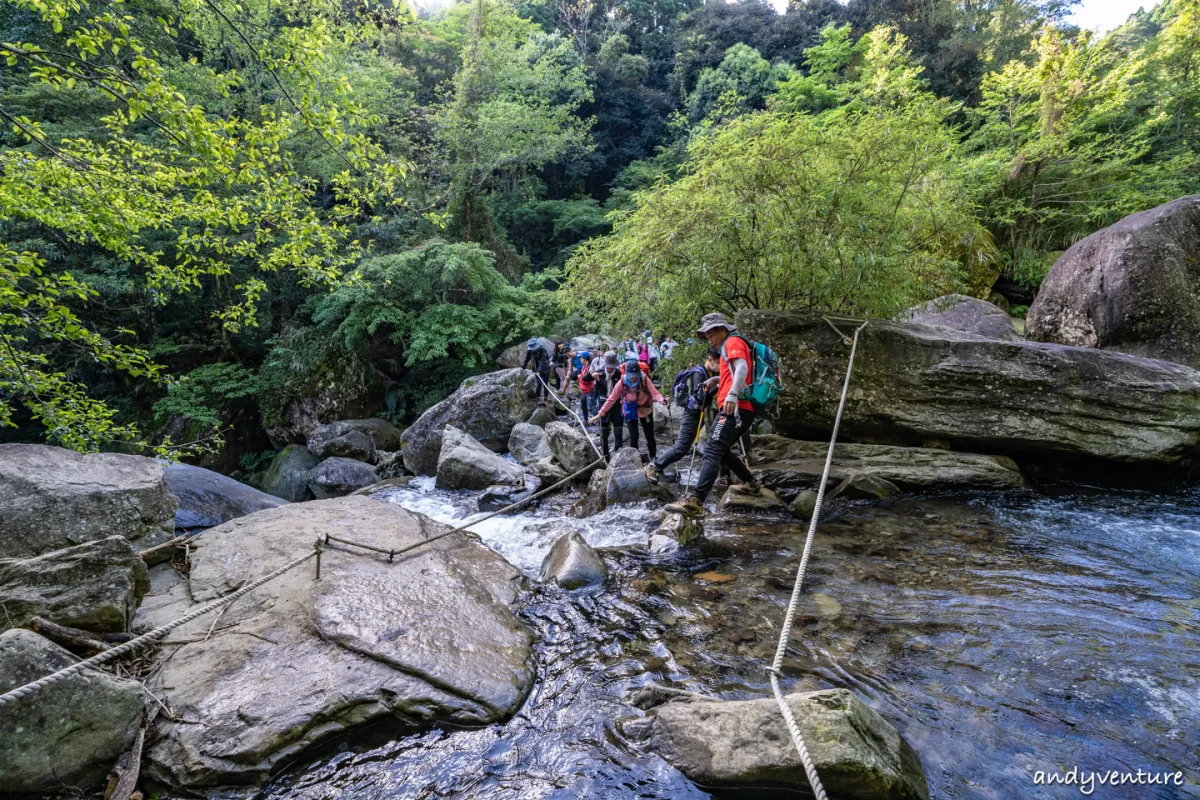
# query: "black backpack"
682,391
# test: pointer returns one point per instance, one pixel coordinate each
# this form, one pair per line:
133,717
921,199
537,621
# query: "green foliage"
176,187
1084,136
440,300
207,395
864,209
740,83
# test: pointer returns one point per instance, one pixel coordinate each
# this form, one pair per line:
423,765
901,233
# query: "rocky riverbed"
1000,633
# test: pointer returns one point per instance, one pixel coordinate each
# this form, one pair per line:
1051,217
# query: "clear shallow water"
1001,634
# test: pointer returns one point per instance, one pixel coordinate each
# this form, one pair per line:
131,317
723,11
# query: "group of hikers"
617,391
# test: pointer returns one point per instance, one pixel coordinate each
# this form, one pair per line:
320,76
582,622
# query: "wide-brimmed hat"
710,321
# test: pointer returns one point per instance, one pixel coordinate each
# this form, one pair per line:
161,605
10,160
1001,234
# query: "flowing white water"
524,539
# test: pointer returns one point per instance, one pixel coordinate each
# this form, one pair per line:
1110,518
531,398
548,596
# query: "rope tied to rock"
776,667
221,602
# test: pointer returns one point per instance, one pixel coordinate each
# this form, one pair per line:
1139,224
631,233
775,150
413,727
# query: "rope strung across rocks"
393,553
571,411
773,671
147,638
158,633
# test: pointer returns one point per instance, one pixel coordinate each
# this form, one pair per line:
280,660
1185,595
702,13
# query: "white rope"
571,411
774,670
147,638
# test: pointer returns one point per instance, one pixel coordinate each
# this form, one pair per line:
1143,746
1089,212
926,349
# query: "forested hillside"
217,215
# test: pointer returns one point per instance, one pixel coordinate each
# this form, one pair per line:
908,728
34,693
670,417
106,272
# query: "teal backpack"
765,378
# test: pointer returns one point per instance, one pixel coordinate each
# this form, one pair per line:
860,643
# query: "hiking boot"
687,507
753,489
652,472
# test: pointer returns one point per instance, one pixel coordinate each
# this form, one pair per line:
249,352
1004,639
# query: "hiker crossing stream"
1000,633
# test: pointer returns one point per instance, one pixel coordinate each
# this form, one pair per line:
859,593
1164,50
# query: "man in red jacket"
734,417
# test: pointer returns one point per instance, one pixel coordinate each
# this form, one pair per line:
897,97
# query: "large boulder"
963,313
95,586
573,564
917,382
287,477
338,477
52,498
466,464
67,734
528,444
354,438
589,342
513,357
571,447
319,394
429,637
1130,287
208,498
624,481
345,443
745,744
789,464
485,406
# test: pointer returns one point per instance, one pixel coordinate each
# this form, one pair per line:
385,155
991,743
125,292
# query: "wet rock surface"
208,498
95,586
429,637
745,744
52,498
957,618
485,406
1130,287
68,733
917,382
623,481
464,463
573,564
789,464
287,477
734,503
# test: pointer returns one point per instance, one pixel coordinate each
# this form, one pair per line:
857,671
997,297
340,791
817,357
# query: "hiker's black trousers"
612,421
719,452
689,422
647,423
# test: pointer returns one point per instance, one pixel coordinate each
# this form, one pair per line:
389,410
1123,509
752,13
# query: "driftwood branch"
68,637
122,781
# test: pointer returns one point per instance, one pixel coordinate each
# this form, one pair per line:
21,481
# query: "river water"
1002,634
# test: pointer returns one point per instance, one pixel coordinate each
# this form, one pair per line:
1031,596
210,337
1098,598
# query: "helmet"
532,344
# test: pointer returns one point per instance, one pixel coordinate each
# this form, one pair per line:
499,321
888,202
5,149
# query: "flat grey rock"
745,744
95,586
429,637
913,383
51,498
466,464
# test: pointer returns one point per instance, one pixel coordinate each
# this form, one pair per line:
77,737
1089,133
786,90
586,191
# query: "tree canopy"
220,215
